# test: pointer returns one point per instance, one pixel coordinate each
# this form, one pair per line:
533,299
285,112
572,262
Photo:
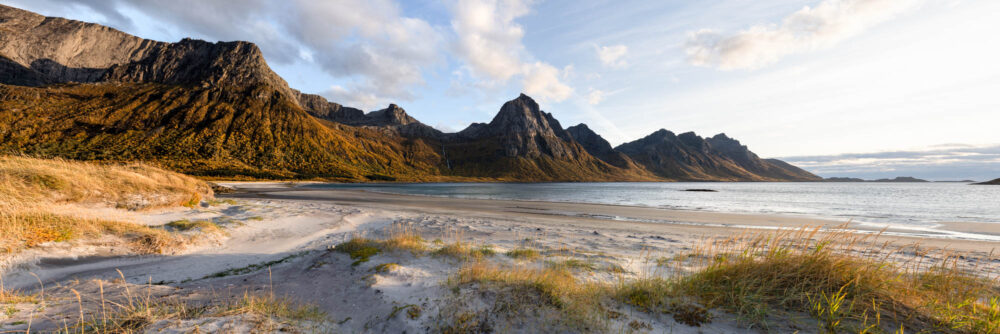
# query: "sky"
827,84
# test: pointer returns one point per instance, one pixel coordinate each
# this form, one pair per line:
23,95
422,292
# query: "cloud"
809,29
488,40
595,96
945,162
541,80
612,55
352,97
370,43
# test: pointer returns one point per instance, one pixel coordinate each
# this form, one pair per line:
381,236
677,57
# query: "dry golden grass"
34,193
848,283
562,302
138,309
29,228
14,296
131,186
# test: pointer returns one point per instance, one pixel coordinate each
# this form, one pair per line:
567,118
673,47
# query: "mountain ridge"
85,91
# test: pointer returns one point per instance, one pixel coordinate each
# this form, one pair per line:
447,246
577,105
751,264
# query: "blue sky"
788,78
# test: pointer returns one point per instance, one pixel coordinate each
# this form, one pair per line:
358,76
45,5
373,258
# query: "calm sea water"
897,203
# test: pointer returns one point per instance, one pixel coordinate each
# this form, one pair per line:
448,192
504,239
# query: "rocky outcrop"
690,157
49,50
318,106
598,147
392,119
523,130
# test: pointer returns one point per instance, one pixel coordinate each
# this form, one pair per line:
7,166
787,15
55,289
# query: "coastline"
652,219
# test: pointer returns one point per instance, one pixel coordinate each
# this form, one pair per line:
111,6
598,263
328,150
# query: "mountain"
993,182
213,109
598,147
901,179
843,179
85,91
851,179
523,140
689,157
391,118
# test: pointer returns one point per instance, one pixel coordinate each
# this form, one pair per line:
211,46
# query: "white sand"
271,222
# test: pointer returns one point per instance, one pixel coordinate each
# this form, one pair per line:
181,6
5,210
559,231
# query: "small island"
853,179
994,182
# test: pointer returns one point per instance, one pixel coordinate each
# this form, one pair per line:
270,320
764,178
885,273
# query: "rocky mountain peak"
597,146
392,115
524,130
590,140
523,115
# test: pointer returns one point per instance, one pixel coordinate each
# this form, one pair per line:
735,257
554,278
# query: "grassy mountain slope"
200,131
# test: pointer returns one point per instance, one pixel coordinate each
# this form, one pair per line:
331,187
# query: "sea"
912,204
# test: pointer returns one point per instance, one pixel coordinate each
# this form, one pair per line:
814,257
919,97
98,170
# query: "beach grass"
137,310
36,198
844,282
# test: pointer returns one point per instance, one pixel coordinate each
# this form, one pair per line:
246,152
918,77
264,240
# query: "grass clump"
561,301
359,249
523,254
15,297
456,250
386,267
401,239
461,251
573,264
274,307
200,225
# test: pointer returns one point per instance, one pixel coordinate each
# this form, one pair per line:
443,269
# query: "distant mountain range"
85,91
896,179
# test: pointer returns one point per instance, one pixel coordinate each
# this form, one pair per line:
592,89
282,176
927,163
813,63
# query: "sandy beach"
277,237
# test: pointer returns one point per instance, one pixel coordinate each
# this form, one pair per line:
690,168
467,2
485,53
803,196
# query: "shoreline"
287,242
941,234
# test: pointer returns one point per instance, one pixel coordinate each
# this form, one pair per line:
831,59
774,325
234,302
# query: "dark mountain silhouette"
993,182
690,157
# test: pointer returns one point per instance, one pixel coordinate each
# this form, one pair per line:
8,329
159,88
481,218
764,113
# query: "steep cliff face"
690,157
523,140
56,50
318,106
523,130
598,147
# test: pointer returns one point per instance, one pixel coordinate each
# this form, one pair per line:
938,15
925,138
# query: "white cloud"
595,96
488,40
541,81
809,29
352,97
612,55
369,40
